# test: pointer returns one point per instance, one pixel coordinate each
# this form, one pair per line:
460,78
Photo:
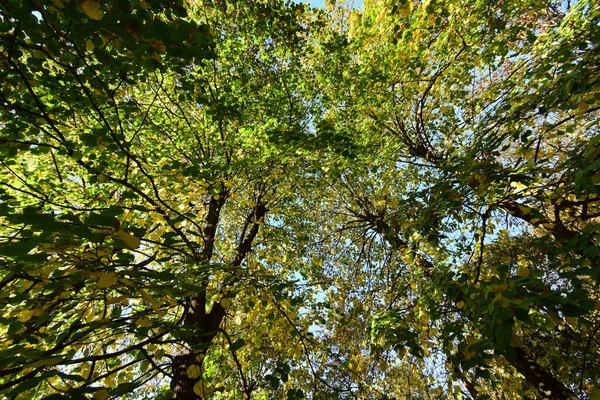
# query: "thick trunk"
182,384
548,386
187,367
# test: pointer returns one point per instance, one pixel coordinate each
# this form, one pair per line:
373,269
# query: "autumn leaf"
131,241
107,279
225,302
194,371
101,394
92,9
379,188
524,209
143,322
201,389
406,8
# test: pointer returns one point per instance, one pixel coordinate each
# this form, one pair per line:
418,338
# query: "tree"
480,139
137,173
255,199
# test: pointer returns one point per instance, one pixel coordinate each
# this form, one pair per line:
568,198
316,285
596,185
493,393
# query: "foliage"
256,199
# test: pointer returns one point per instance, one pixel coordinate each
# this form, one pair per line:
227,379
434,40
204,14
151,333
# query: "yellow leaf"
130,240
518,187
571,321
406,8
90,317
107,279
225,302
92,9
147,297
200,389
523,271
596,178
87,256
524,209
194,371
48,269
36,312
103,251
113,300
101,394
25,316
143,322
89,45
297,351
460,305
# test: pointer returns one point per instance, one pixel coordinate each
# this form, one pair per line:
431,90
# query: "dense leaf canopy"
261,200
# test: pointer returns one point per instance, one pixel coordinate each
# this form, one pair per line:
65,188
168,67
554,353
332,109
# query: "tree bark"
548,386
182,384
187,367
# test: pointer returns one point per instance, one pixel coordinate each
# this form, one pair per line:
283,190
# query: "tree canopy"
227,199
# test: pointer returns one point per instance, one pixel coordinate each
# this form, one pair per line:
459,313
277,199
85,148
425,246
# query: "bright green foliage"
256,199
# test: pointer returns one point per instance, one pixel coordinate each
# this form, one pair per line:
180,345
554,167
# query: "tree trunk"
187,367
548,386
182,383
